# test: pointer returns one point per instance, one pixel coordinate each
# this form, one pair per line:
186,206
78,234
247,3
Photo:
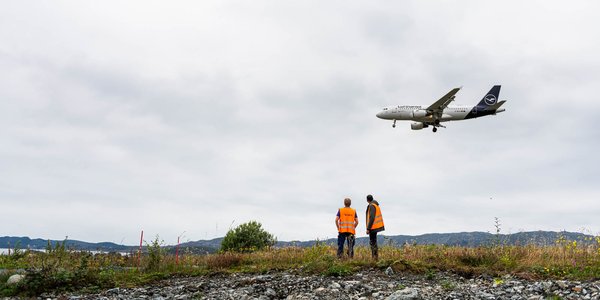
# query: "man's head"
369,198
347,202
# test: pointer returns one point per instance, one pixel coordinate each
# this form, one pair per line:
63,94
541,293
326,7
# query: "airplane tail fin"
490,100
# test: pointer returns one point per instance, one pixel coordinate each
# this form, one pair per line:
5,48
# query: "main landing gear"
394,125
435,127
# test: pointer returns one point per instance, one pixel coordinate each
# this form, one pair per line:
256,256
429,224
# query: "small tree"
155,254
247,237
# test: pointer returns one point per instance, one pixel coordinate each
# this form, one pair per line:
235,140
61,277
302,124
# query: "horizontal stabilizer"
497,105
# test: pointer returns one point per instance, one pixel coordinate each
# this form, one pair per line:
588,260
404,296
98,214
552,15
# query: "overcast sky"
192,117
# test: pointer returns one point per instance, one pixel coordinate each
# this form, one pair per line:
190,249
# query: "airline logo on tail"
490,99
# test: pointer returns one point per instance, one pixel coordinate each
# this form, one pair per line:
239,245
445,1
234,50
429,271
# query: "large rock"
405,294
14,279
389,271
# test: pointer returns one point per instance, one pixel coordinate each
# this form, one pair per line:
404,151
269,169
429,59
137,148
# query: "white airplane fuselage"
417,113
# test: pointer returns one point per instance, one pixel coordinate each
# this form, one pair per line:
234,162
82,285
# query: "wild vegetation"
247,237
61,269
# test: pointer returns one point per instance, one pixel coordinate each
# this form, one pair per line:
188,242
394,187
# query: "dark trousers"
342,238
373,243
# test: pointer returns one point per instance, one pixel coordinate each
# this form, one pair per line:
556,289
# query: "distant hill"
40,244
28,243
467,239
207,245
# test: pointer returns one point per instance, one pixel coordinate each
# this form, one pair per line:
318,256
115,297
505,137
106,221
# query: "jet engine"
419,113
418,126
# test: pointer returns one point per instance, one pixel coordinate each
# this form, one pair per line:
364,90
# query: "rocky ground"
372,284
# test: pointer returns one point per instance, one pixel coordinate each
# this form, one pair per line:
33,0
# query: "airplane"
441,111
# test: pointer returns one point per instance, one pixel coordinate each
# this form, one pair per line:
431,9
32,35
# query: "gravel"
372,284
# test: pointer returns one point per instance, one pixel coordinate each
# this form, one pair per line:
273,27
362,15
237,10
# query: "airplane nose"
379,115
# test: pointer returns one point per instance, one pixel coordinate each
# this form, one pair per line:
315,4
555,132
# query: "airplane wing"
439,105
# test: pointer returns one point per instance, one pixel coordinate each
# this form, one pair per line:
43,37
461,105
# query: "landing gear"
436,123
435,127
394,125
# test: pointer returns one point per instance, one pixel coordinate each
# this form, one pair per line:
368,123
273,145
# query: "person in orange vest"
374,224
346,222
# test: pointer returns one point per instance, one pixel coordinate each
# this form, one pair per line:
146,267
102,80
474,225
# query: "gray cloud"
196,116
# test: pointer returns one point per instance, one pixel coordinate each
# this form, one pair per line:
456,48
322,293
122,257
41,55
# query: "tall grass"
60,269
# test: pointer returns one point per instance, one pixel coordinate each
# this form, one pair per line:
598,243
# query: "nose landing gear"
394,125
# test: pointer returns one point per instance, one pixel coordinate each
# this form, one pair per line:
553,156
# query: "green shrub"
247,237
316,251
155,255
338,269
448,285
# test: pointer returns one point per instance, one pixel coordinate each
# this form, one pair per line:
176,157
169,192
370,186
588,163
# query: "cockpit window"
385,108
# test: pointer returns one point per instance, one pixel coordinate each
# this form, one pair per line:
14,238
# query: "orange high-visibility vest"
378,221
347,217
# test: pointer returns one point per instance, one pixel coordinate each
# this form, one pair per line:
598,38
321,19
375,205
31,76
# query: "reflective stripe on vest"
347,217
378,220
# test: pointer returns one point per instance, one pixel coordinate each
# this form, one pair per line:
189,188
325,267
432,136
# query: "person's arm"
337,223
371,212
355,220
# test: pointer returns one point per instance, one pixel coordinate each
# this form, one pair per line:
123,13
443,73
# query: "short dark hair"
369,198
